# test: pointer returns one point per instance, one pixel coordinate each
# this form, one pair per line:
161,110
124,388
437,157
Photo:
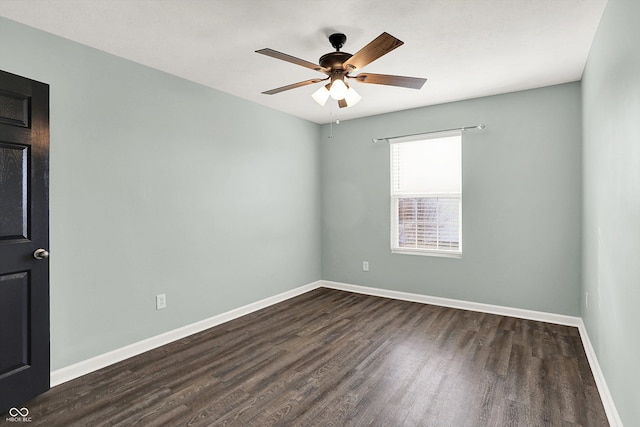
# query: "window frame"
394,202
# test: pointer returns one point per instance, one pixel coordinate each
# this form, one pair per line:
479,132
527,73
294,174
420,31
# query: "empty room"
232,212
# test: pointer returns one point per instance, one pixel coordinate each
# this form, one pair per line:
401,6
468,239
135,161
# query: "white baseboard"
603,389
541,316
84,367
90,365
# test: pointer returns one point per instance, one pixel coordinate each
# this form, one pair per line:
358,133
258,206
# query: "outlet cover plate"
161,301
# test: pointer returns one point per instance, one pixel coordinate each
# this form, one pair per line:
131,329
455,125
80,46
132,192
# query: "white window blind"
426,194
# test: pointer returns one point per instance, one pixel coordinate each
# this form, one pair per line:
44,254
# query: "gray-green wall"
611,263
160,185
521,202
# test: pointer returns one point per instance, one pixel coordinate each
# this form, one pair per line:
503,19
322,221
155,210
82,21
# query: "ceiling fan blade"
386,79
379,46
283,56
292,86
342,103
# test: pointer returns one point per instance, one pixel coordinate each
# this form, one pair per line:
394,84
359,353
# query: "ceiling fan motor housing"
333,61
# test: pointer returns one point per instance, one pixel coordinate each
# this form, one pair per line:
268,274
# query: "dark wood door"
24,229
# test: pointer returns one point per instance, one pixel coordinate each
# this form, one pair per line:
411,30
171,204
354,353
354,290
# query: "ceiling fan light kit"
338,66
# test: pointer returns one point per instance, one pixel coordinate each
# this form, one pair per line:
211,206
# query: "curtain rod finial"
481,126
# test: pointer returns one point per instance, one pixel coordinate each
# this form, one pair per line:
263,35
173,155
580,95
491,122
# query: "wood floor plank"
330,357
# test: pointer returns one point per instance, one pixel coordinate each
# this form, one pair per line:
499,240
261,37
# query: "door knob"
41,254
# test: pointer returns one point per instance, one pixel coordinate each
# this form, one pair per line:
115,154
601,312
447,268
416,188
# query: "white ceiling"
465,48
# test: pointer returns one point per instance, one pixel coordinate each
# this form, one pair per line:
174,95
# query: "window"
426,194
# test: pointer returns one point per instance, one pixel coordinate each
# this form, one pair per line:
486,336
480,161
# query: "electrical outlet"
365,265
161,301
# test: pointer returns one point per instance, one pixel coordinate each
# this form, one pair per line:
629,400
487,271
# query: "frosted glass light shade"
338,89
321,95
352,97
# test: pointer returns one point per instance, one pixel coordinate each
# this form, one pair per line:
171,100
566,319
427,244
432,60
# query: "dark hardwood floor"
333,358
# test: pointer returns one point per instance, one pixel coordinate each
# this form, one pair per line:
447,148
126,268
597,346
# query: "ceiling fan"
338,66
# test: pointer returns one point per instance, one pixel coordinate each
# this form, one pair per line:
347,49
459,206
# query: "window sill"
441,254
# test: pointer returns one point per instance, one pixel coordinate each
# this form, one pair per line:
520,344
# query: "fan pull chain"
337,121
